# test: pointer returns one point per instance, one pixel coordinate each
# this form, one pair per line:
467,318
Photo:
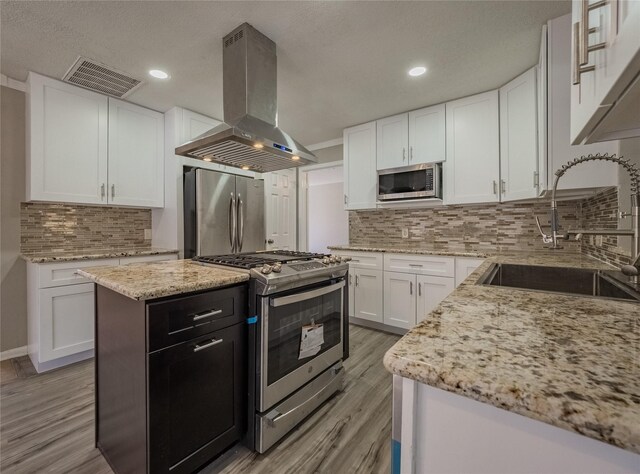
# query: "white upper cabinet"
66,142
136,152
393,141
472,169
518,138
427,136
541,95
559,148
359,148
605,62
83,147
195,124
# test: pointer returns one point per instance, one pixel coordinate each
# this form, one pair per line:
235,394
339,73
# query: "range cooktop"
256,259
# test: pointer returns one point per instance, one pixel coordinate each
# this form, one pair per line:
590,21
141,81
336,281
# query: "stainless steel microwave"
410,182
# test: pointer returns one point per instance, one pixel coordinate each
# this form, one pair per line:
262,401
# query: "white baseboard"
11,353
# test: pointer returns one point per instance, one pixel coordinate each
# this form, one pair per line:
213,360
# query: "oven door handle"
307,295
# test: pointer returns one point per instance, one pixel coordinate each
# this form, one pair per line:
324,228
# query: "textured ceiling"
339,63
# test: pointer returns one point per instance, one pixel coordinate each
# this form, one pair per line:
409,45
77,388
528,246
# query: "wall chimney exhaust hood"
250,137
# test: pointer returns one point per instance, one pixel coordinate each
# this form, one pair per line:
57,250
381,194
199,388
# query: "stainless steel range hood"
250,137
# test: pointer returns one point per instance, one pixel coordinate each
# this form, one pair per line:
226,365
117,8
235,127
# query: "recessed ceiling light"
295,158
158,74
417,71
258,145
207,159
245,168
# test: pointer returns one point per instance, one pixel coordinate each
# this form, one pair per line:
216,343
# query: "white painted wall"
328,222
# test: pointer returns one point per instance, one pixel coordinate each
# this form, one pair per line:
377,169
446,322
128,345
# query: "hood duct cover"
250,137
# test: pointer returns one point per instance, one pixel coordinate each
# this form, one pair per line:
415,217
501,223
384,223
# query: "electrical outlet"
147,234
598,241
405,233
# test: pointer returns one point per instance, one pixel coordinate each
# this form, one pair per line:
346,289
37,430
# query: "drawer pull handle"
415,265
208,314
213,342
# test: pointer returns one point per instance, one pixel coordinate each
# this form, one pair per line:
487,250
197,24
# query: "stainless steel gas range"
298,336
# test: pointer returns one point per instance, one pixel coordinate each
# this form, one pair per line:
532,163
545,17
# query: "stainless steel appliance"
291,292
410,182
223,213
250,136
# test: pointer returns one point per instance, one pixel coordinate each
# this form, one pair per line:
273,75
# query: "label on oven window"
311,340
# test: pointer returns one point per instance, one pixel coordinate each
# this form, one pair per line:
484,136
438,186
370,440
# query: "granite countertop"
50,256
144,281
419,250
569,361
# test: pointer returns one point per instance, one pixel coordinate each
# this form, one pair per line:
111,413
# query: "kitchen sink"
573,281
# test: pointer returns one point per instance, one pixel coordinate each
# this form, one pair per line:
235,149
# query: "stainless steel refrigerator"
223,213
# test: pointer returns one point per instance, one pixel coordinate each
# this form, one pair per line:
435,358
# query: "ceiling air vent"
101,78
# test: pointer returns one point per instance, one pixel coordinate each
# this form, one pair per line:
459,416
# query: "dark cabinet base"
172,409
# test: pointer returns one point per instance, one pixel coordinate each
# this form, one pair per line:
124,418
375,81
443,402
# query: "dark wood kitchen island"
170,346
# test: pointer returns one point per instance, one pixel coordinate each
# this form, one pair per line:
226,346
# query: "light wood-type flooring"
47,422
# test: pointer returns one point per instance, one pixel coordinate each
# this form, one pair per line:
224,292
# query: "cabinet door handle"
536,179
350,280
415,265
357,280
495,187
208,314
102,192
419,289
410,287
503,186
214,342
404,153
346,199
113,191
410,153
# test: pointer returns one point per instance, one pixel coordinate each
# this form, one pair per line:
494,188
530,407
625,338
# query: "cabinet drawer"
181,319
147,258
370,260
420,264
64,273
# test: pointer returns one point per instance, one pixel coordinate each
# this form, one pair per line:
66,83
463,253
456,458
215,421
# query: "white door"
465,267
427,135
400,299
518,138
280,209
359,148
368,294
67,136
472,169
392,141
67,315
431,291
136,155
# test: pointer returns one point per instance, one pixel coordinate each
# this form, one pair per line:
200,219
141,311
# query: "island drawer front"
420,264
180,319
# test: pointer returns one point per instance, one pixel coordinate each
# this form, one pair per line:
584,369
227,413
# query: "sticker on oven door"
311,340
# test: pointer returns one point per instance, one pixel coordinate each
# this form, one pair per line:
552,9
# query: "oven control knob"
277,268
332,259
326,261
266,269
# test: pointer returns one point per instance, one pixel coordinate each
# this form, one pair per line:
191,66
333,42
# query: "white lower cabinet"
61,310
431,291
367,295
400,299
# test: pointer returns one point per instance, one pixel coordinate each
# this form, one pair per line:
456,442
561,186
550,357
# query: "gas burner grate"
252,260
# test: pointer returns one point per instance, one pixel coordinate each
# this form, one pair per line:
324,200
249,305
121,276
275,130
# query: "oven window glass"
285,331
405,182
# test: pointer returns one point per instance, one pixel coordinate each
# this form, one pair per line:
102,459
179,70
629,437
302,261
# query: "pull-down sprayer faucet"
632,270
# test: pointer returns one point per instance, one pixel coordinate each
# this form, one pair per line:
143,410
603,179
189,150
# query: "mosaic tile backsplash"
509,226
59,227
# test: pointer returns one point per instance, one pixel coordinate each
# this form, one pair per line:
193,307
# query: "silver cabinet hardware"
208,314
350,280
410,153
581,32
536,179
357,280
270,241
214,342
410,287
113,191
404,153
102,192
495,187
415,265
419,289
503,186
346,200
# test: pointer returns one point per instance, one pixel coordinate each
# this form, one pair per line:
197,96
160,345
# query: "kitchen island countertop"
569,361
50,256
143,281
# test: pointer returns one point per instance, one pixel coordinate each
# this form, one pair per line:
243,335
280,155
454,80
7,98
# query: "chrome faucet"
632,270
